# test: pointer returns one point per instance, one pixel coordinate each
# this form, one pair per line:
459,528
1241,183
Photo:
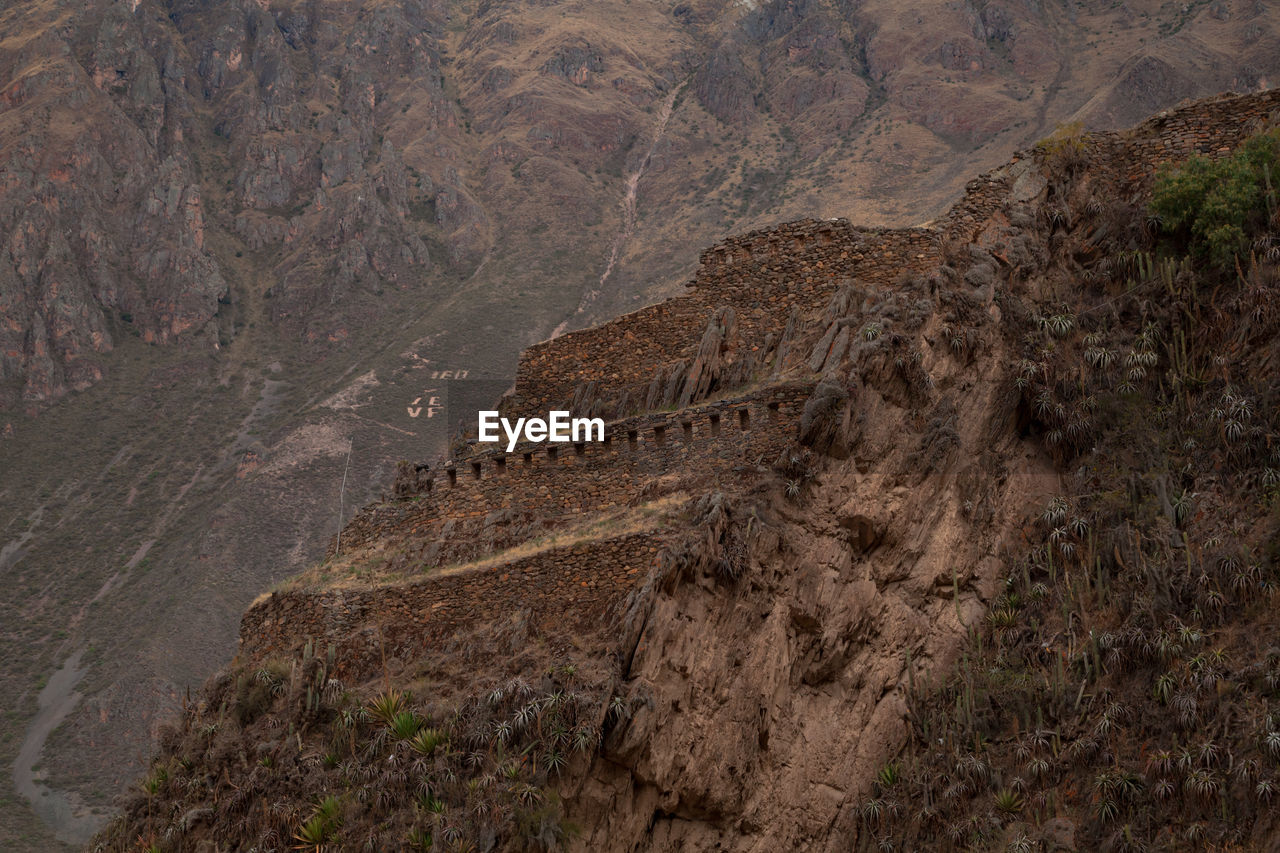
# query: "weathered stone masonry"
702,444
765,274
575,589
765,277
762,276
1211,126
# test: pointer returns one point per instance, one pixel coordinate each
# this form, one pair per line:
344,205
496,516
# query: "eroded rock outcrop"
757,583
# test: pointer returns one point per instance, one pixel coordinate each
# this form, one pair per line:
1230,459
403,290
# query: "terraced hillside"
246,240
881,517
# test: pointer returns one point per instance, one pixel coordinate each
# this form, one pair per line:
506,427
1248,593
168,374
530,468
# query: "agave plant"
1242,579
527,794
1247,769
1202,784
973,768
420,839
1003,618
555,761
502,731
584,739
526,715
1099,357
425,740
1209,753
404,725
1008,801
889,775
1107,810
1055,513
618,708
873,811
431,804
155,781
386,706
1161,762
1060,325
321,828
1020,844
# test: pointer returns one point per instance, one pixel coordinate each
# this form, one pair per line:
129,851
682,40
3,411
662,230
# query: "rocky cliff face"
921,553
242,239
762,707
103,215
340,143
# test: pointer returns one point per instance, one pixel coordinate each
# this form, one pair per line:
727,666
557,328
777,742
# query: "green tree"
1213,206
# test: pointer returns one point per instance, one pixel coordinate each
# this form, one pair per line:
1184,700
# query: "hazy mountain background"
242,241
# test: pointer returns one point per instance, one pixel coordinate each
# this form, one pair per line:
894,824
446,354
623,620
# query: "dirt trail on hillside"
64,812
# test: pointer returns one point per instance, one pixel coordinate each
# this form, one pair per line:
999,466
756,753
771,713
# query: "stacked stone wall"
578,590
762,276
1212,126
700,444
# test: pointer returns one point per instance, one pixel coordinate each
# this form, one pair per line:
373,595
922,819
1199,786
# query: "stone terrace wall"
573,591
1209,126
699,444
762,275
983,197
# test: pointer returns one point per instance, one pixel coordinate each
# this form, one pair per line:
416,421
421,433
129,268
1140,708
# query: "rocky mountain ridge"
345,142
740,626
243,238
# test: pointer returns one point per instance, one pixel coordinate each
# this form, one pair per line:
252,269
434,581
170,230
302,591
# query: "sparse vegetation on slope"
319,765
1124,690
1059,443
1220,209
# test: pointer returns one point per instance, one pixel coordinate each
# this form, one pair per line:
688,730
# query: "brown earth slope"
902,511
243,238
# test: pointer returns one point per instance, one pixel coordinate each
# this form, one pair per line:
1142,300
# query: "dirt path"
70,820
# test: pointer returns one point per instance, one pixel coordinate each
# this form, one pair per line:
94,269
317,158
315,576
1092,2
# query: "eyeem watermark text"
558,427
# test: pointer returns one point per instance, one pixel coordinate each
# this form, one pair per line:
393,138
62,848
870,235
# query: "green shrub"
319,830
1065,149
386,706
426,740
256,690
1214,206
405,725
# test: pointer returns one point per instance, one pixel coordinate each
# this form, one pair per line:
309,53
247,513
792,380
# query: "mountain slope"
244,238
929,505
